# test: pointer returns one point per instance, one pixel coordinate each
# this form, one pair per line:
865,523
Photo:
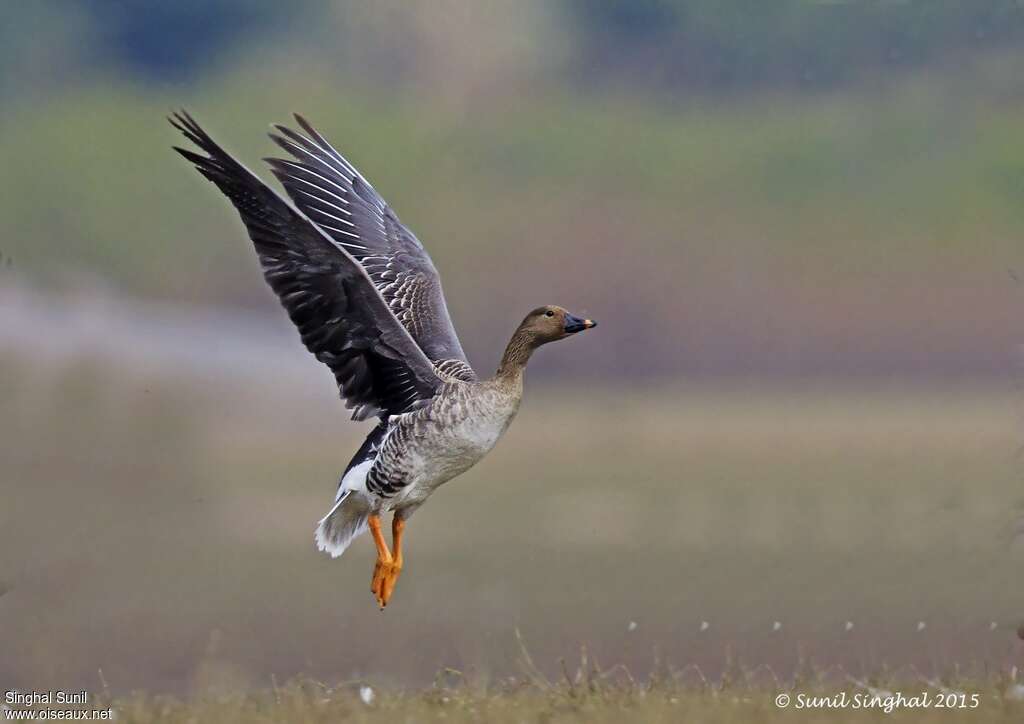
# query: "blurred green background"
799,224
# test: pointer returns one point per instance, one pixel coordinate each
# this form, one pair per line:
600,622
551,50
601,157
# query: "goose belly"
447,448
467,442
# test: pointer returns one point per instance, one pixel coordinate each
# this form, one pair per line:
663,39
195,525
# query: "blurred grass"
160,529
583,697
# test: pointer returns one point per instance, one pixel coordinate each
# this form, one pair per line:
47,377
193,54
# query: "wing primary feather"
284,177
305,169
301,147
325,146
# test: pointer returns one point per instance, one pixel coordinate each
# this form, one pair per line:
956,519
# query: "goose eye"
549,313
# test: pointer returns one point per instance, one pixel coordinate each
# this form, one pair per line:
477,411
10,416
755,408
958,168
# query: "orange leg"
395,570
384,561
388,566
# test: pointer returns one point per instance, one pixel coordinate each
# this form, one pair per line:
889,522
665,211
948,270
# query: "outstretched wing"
342,318
334,195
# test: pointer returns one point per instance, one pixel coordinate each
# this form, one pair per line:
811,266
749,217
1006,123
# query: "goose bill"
575,324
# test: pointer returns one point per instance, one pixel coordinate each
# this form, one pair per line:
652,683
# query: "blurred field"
158,527
581,696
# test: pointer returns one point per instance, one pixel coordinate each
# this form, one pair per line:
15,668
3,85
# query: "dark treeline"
716,45
736,44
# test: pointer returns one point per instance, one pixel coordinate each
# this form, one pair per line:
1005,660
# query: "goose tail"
343,524
347,520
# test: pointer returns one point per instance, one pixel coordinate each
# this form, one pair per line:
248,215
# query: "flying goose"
367,302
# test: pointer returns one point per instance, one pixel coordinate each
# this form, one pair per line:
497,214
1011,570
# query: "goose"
367,302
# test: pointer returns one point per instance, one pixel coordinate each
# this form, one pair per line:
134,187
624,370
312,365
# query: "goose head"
551,323
544,324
